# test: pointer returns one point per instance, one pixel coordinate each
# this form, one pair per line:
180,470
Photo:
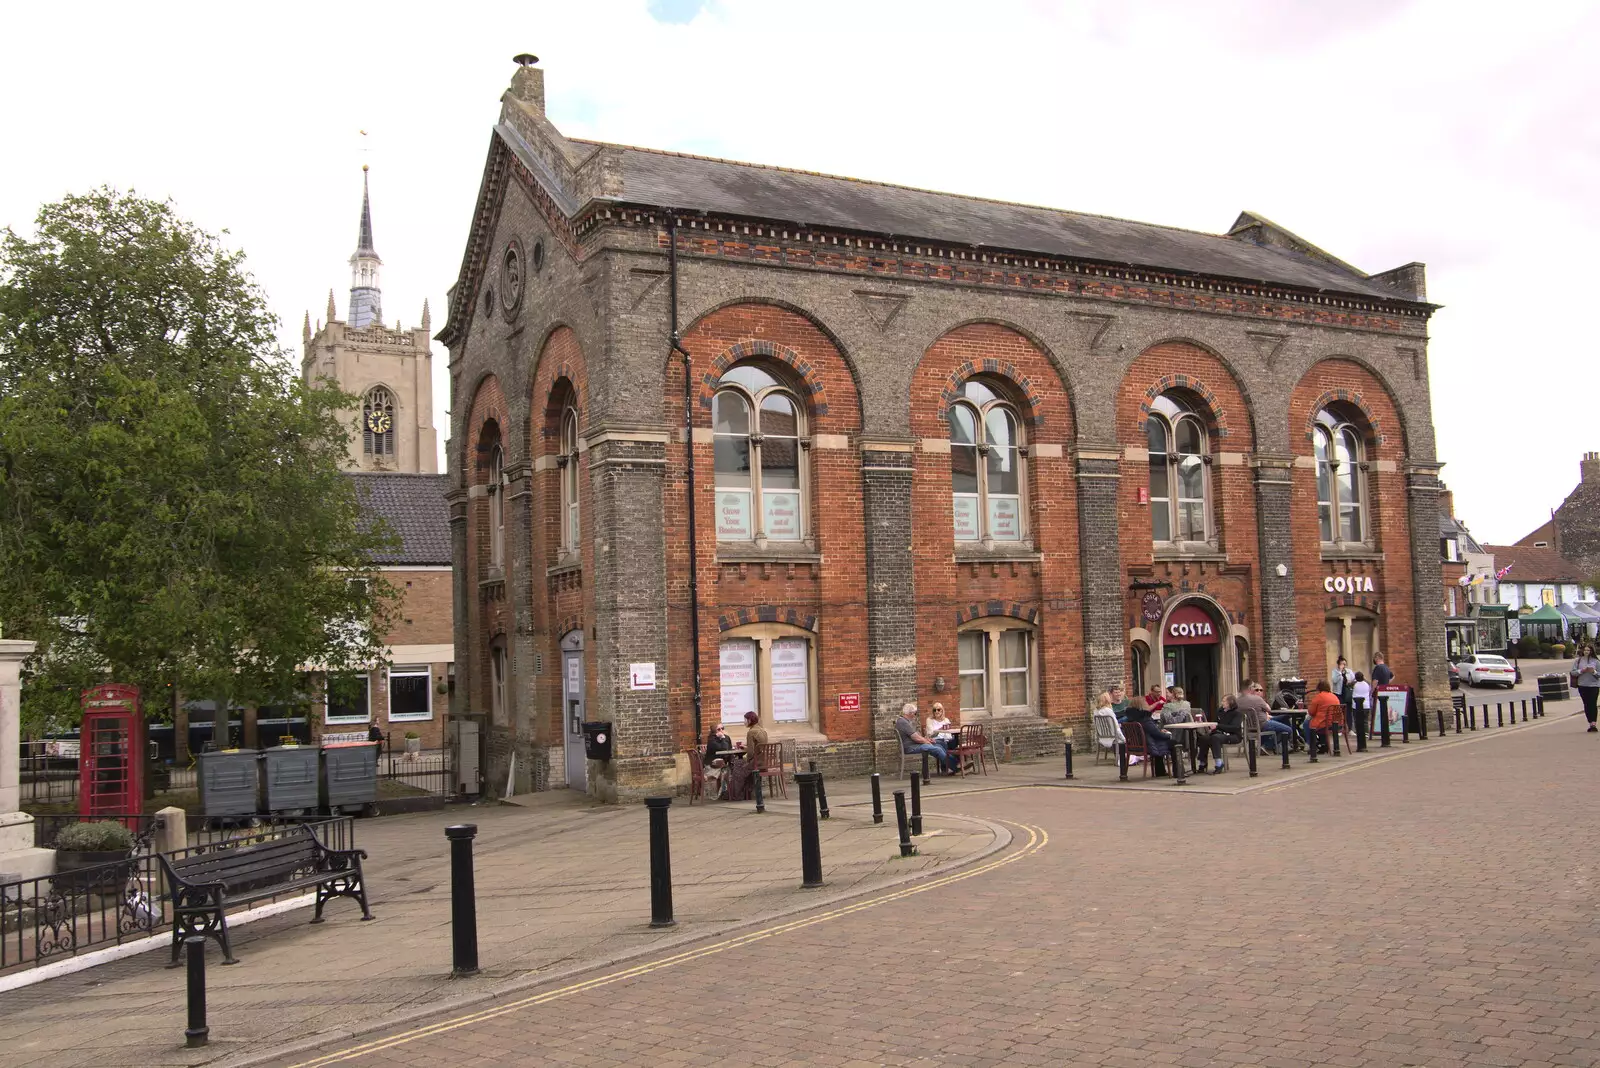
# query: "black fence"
415,770
52,918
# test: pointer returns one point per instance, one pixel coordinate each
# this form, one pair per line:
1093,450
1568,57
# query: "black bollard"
1122,762
1441,721
1383,722
196,1034
1524,710
1422,725
916,804
463,901
810,844
761,801
1538,706
660,863
877,800
1069,759
1333,739
1285,741
822,789
1360,711
1250,755
1472,717
1179,776
1499,714
1312,740
906,848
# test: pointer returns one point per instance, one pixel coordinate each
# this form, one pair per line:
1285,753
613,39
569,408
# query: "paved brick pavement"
1434,908
560,881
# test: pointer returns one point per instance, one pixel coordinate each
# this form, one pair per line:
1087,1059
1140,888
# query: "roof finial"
427,320
333,312
527,85
364,238
305,330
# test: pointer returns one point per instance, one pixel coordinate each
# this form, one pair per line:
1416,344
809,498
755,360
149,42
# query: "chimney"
1590,468
527,85
1447,502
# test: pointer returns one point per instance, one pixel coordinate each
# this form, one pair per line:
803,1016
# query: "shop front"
1350,625
1192,641
1491,636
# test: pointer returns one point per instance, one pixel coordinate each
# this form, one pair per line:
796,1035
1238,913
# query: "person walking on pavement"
1585,675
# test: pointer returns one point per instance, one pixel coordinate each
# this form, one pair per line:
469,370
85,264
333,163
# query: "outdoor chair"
974,743
769,763
916,761
791,755
697,774
1134,745
1107,736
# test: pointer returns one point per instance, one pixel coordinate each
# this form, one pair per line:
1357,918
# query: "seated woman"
718,746
939,728
1156,740
1228,731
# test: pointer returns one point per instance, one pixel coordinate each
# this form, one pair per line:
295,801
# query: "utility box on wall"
466,739
111,751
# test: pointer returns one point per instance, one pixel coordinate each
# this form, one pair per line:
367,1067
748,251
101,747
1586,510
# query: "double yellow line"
1037,839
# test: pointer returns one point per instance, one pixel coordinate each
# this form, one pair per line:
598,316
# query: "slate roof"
696,183
415,509
1530,564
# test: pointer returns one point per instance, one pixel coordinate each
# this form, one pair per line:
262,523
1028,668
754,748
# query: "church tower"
389,369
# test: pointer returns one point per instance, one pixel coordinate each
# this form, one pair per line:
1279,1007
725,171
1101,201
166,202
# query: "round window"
513,277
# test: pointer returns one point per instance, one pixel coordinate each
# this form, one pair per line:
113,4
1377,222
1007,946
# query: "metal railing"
54,917
424,770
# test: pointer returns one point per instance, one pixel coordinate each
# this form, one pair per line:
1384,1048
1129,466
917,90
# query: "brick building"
912,446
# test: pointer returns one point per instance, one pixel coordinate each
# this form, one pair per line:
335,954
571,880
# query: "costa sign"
1190,625
1348,584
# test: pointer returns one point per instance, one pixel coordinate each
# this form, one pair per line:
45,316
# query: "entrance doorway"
572,710
1353,634
1190,645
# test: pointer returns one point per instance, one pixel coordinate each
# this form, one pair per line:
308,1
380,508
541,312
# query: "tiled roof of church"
414,508
1535,564
803,198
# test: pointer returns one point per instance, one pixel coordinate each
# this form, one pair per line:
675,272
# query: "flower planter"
92,871
413,745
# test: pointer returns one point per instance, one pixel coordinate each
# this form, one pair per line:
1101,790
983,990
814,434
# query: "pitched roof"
697,183
1530,564
414,508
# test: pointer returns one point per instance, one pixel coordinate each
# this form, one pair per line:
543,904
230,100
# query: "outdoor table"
1295,716
1187,733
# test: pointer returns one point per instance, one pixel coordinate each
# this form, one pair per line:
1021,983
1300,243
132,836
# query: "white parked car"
1480,668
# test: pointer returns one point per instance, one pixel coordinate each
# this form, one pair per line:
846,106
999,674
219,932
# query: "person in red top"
1327,713
1154,700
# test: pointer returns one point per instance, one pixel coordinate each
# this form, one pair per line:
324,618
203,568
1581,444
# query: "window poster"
733,514
738,680
791,680
783,516
1005,518
966,517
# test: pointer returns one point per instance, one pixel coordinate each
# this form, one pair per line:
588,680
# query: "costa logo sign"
1348,584
1189,624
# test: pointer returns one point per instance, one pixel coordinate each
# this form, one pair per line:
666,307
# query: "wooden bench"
205,884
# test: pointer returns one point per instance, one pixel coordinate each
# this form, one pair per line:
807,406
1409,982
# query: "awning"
1588,610
1546,614
1571,613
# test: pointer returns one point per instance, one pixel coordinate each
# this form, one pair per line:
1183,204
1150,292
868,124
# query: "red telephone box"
111,751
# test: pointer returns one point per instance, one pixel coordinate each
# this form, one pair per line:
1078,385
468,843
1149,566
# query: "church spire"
366,297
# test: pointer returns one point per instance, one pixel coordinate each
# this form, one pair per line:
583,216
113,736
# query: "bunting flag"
1477,580
1503,572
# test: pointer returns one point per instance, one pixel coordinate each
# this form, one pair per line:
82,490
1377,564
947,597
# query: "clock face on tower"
378,422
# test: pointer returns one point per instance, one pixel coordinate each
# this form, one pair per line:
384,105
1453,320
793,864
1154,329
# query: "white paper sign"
791,678
966,518
642,676
783,516
733,514
738,680
1005,519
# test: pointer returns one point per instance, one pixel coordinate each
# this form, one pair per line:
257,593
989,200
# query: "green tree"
172,511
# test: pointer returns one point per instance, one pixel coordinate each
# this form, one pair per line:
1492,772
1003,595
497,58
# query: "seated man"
914,741
1253,707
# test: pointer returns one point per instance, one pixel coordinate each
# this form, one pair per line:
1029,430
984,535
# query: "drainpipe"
688,450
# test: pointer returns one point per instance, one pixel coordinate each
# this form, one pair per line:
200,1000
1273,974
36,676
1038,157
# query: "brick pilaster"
461,604
886,476
1280,626
1422,508
521,694
626,474
1104,630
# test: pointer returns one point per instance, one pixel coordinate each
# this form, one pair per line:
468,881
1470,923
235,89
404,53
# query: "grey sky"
1457,133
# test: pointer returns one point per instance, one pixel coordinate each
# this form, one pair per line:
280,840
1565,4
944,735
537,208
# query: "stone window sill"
1190,552
997,553
790,552
1351,552
564,566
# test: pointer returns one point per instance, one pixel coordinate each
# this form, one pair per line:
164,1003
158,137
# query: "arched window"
758,427
1180,485
377,423
497,508
568,461
986,457
1341,480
